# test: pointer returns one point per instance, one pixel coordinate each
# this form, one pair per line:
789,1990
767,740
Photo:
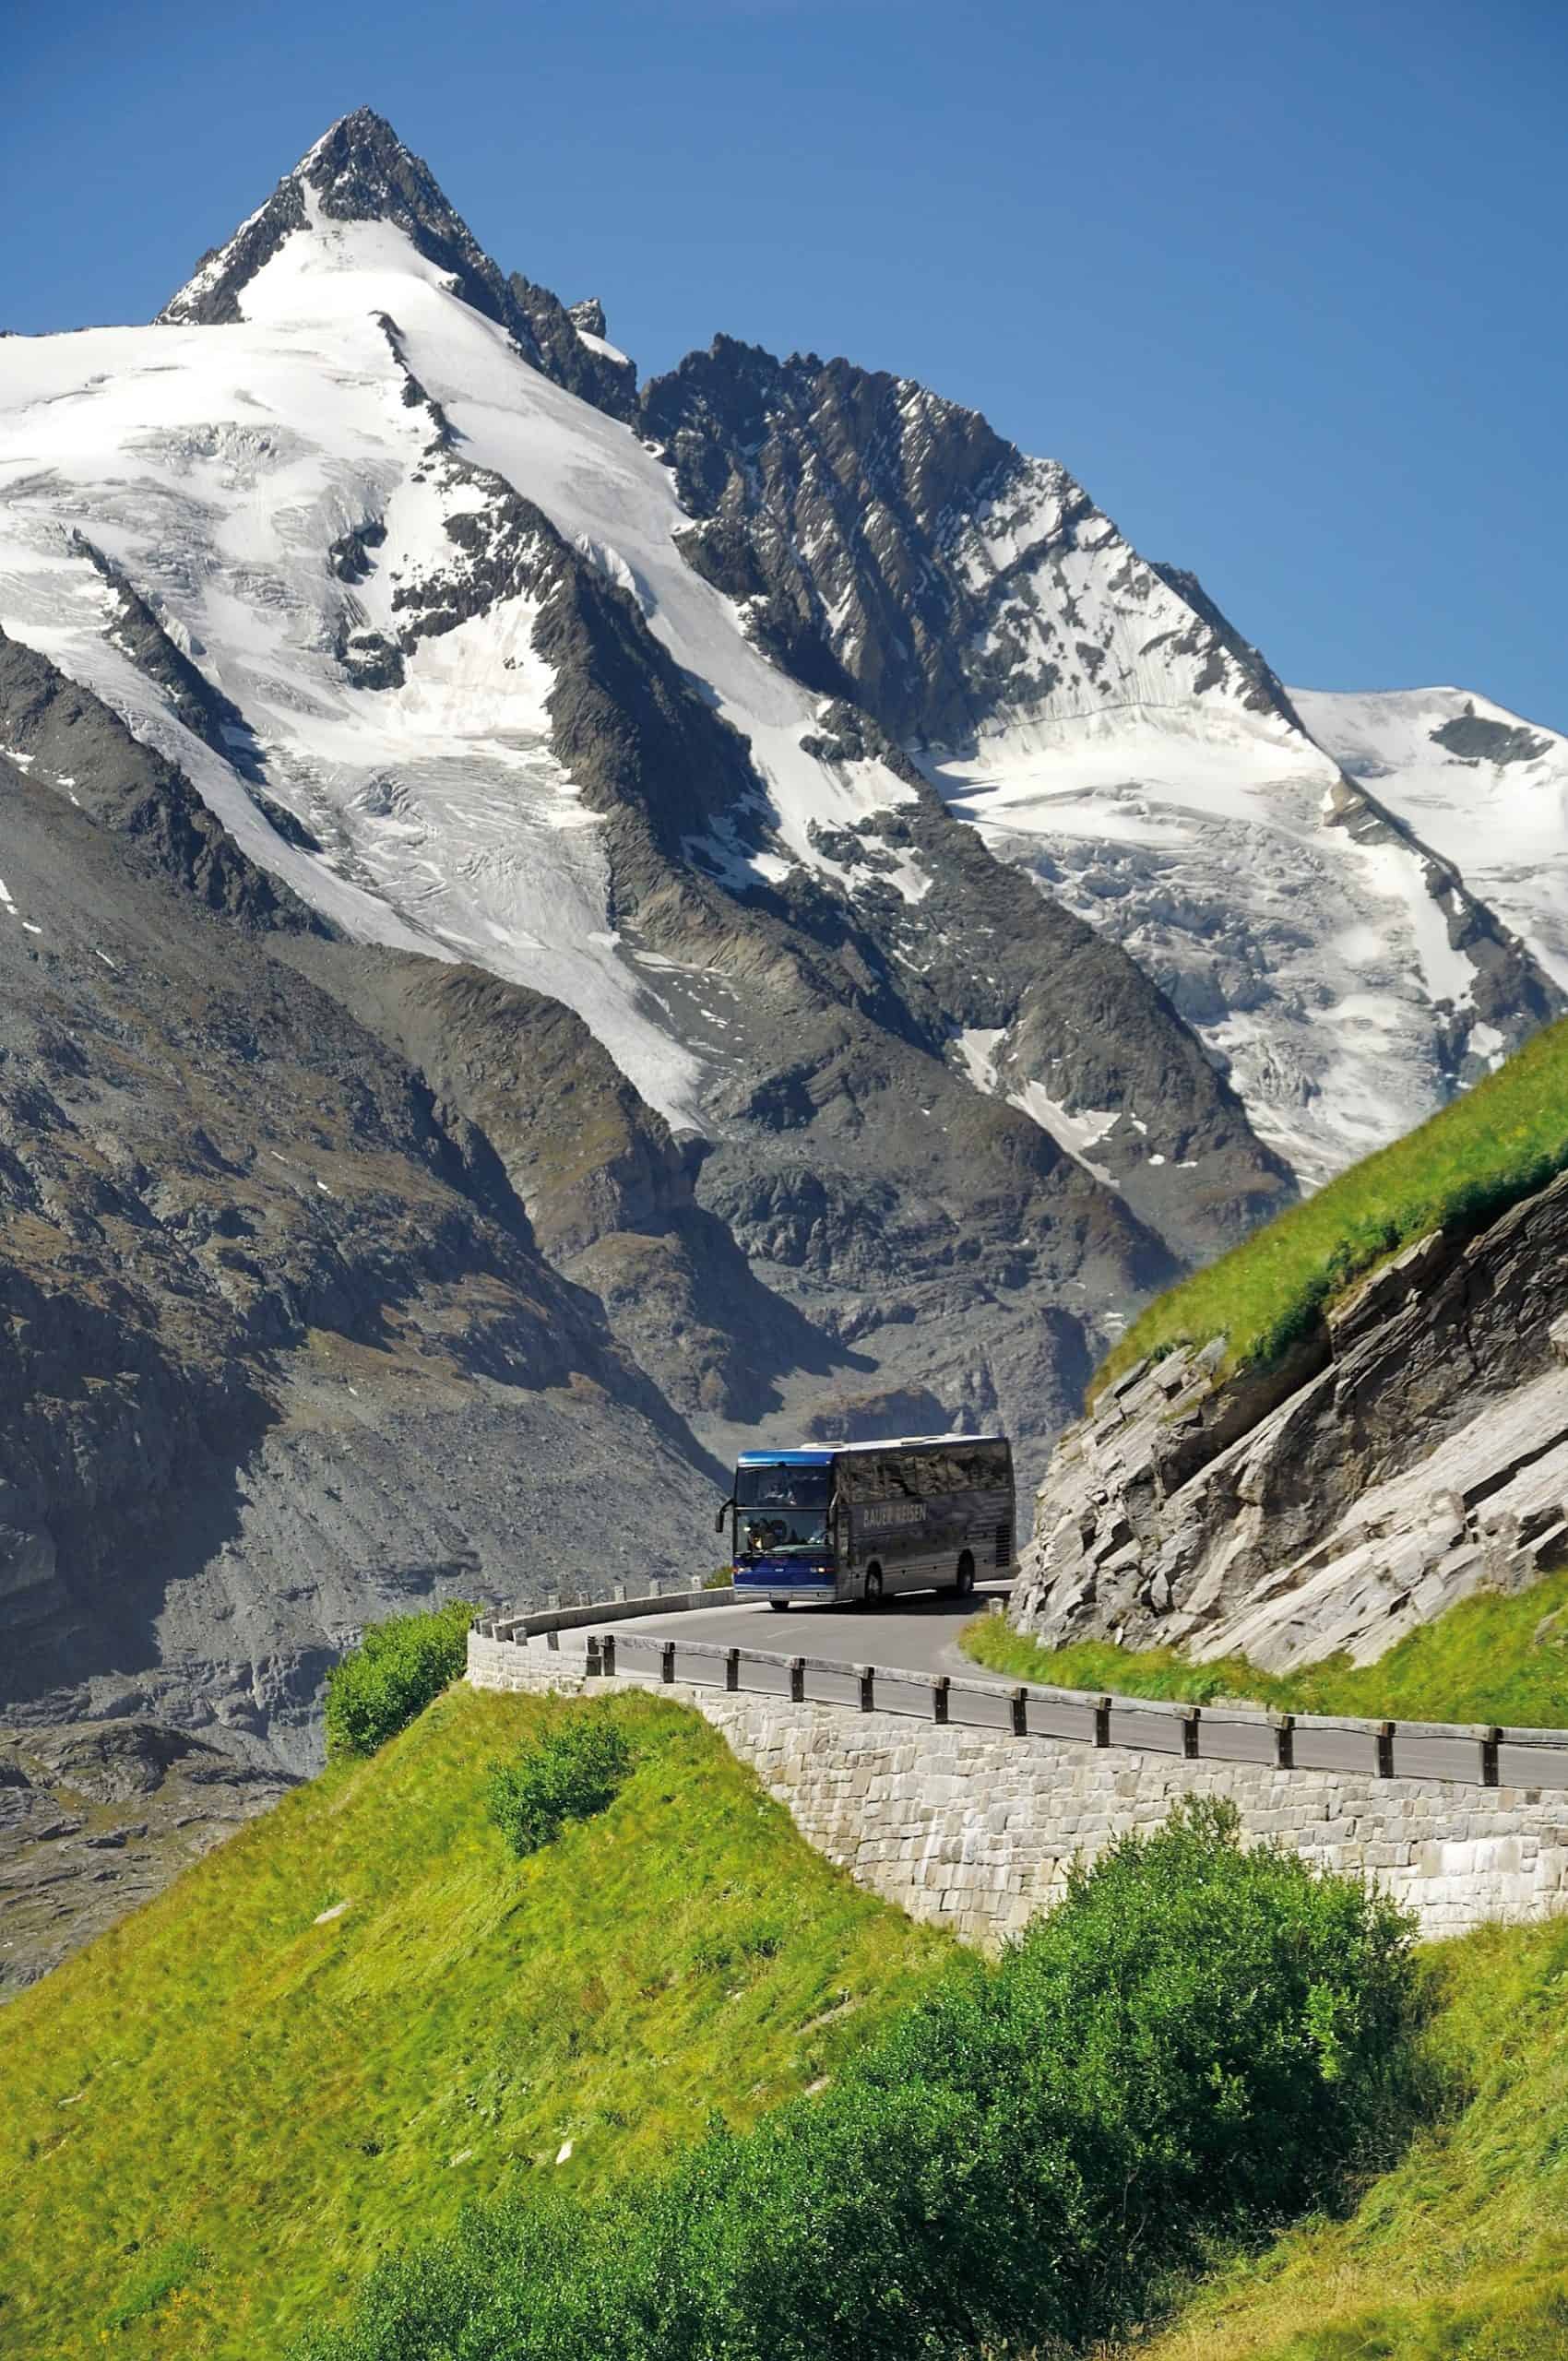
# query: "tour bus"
867,1520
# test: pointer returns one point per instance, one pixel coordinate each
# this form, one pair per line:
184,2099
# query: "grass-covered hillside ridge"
214,2119
1506,1138
1460,2251
1496,1656
1201,2041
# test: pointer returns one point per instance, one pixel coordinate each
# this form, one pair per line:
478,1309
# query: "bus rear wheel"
966,1575
873,1586
780,1606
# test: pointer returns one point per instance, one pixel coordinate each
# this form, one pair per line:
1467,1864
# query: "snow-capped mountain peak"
358,170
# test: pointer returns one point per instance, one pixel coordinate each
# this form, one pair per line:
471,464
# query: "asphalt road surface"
912,1640
918,1632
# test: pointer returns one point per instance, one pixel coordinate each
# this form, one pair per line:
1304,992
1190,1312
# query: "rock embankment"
1411,1451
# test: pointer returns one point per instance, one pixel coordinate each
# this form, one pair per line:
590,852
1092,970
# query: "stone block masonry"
975,1829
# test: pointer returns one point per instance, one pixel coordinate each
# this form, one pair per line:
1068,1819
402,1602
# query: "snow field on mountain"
1310,964
1135,764
446,823
1095,634
1503,825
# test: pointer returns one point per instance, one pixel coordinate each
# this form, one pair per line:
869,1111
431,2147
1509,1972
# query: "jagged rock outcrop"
1412,1449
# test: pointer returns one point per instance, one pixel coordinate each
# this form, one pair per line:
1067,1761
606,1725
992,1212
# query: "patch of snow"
1077,1132
976,1049
1312,967
1503,825
606,350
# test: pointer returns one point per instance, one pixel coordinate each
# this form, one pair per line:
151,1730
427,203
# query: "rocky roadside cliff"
1413,1449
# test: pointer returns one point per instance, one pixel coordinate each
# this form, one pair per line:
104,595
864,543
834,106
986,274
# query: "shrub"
397,1668
571,1773
1201,2041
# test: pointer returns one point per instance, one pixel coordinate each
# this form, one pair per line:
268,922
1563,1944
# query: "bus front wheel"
873,1585
966,1575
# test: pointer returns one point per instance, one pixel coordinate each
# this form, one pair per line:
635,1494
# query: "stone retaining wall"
974,1828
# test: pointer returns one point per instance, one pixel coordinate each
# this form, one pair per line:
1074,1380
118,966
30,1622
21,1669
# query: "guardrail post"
667,1661
797,1680
939,1697
656,1585
1102,1721
607,1651
1190,1719
1285,1741
1489,1740
1385,1750
552,1640
731,1667
867,1676
593,1664
551,1601
1020,1712
618,1592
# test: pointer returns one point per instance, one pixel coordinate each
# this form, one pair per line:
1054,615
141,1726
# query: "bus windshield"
781,1511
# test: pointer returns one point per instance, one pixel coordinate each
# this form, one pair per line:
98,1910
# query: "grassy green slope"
1461,2252
1491,1658
1503,1139
213,2118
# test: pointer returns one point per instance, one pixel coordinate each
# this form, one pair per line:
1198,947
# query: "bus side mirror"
719,1520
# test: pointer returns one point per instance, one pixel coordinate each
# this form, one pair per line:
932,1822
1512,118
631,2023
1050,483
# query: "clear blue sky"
1282,282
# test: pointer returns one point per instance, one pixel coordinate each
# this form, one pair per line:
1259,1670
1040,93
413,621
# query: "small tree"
571,1773
397,1668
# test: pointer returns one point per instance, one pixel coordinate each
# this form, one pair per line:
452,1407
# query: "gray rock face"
891,546
1476,739
69,734
96,1817
281,1352
1412,1451
608,1190
838,1087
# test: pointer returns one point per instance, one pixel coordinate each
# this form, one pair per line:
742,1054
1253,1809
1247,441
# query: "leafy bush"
570,1774
397,1668
1200,2042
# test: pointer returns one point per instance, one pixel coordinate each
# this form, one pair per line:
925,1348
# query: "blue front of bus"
781,1527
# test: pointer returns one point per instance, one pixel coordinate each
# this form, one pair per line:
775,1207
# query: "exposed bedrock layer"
1411,1451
